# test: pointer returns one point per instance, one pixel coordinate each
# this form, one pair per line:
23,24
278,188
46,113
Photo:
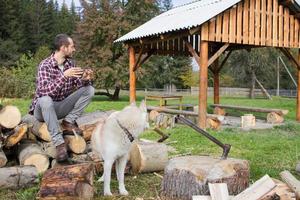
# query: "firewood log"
38,128
88,122
213,124
148,157
68,182
30,153
190,175
48,148
75,143
19,133
10,117
291,181
274,118
18,177
3,159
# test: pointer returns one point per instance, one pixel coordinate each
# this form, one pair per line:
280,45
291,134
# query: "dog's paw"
124,192
107,193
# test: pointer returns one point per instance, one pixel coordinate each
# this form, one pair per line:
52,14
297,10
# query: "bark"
38,128
3,159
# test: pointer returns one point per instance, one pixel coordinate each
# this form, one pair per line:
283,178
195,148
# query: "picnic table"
163,99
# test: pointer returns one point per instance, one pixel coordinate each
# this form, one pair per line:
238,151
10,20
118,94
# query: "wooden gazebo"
208,28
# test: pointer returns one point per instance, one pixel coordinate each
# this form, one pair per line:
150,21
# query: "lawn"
268,151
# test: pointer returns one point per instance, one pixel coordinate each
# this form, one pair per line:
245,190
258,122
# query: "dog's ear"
143,106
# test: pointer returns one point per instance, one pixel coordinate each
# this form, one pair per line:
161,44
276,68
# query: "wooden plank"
292,29
193,52
197,44
232,25
239,23
204,31
291,181
280,26
217,54
218,191
263,22
251,21
212,29
176,44
257,22
246,22
225,26
219,28
296,34
257,190
275,23
269,23
286,28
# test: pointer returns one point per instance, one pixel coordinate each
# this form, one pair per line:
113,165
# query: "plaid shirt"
51,81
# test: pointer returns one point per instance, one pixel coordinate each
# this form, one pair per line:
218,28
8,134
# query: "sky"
175,2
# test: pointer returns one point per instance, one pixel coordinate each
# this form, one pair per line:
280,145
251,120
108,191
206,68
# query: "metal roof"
178,18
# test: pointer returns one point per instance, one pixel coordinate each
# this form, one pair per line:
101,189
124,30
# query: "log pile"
30,144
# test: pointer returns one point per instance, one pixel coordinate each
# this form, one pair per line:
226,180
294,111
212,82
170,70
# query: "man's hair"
61,40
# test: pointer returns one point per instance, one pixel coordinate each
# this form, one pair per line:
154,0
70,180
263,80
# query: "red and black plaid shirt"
51,81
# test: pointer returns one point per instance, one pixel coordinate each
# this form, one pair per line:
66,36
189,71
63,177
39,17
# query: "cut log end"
10,117
20,131
76,144
274,118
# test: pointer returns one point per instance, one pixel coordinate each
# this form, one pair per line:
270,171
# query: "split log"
88,122
281,191
18,177
218,191
274,118
19,133
190,175
257,190
38,128
31,154
148,157
10,117
213,124
68,182
3,159
219,111
291,181
75,143
165,121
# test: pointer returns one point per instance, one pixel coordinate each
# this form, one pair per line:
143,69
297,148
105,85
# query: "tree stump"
148,157
38,128
247,121
274,118
10,117
18,177
68,182
3,159
32,154
188,176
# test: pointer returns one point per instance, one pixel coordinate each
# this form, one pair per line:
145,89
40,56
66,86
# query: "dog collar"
126,131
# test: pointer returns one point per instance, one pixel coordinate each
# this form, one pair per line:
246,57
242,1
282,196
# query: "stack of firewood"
26,147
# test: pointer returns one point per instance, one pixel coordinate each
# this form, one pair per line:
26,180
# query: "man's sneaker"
69,127
61,153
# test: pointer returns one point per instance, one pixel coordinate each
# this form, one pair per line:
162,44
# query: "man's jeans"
70,108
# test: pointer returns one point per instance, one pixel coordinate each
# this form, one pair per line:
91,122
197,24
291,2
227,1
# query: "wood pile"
24,142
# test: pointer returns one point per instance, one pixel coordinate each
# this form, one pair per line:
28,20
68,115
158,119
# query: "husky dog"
113,140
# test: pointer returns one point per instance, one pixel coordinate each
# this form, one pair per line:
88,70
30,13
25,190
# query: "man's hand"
87,75
73,72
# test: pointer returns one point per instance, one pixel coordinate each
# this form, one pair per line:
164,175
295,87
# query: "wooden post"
298,91
203,84
216,82
132,78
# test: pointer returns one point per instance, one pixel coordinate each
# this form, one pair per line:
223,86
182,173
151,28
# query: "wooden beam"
203,84
149,54
224,61
192,52
132,78
138,58
216,73
289,55
217,54
298,93
195,30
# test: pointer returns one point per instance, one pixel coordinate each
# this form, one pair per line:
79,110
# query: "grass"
268,151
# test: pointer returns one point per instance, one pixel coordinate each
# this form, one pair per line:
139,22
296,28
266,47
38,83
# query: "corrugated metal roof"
182,17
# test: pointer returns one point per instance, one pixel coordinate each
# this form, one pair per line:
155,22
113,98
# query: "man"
62,92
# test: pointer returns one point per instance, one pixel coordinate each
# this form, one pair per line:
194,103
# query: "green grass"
268,151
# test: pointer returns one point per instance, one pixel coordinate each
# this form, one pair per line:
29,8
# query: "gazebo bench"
273,116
